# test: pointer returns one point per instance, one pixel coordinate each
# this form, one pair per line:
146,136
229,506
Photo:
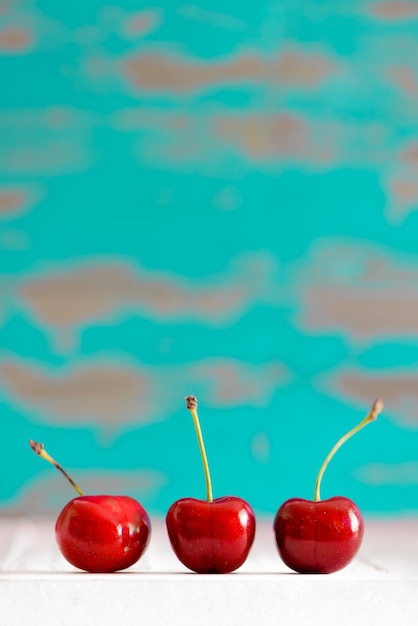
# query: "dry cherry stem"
191,404
371,416
39,449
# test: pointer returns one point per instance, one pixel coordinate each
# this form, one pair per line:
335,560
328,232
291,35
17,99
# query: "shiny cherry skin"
103,533
211,537
318,537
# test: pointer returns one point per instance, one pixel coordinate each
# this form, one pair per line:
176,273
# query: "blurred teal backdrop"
216,198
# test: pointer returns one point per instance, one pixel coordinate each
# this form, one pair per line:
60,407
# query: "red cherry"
99,533
321,536
103,533
318,537
210,536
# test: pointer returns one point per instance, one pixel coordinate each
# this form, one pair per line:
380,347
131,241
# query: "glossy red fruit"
103,533
318,537
211,537
322,536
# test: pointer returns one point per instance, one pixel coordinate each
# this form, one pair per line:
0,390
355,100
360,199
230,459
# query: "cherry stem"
370,417
192,407
39,449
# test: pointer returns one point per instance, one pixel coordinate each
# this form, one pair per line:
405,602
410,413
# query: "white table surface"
37,586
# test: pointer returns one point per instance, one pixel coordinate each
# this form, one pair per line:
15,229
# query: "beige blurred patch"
405,78
361,313
48,493
294,67
404,473
259,136
260,447
16,40
109,395
18,200
12,201
362,290
141,23
231,382
152,71
398,389
394,10
403,189
77,297
73,297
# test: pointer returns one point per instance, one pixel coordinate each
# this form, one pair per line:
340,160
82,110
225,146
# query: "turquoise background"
218,199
